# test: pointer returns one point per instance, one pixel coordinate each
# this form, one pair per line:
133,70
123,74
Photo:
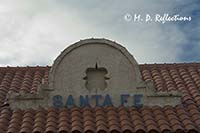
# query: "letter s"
57,101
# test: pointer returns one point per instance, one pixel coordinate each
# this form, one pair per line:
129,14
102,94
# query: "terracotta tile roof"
166,77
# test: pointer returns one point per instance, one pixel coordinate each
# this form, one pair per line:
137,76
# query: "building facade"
96,85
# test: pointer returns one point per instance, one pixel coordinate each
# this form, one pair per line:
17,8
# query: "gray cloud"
34,33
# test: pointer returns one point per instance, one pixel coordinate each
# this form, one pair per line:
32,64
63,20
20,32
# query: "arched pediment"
95,72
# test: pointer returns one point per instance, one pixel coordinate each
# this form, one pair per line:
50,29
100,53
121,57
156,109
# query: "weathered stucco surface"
94,67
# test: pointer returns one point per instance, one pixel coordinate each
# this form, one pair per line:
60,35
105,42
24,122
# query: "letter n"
84,101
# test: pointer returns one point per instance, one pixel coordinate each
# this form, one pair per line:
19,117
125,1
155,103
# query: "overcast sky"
35,32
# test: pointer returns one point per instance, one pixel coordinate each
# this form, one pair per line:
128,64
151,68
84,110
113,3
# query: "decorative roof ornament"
95,72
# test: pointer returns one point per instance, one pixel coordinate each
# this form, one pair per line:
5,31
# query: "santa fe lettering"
98,100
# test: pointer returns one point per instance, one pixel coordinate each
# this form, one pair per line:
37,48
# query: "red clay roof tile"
166,77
